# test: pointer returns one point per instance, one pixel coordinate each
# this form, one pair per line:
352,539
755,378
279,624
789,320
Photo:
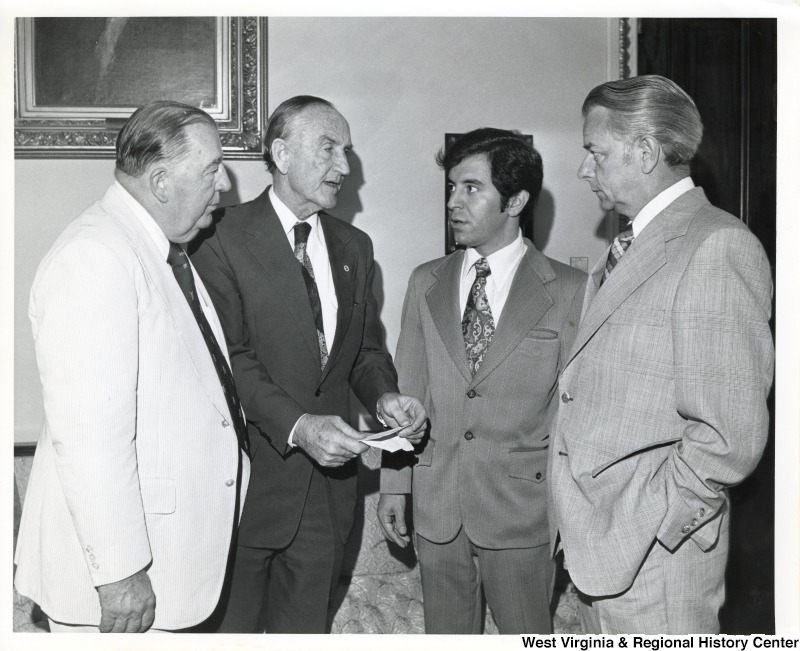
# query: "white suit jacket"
137,461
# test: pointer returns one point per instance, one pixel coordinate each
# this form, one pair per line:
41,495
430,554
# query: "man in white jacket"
141,466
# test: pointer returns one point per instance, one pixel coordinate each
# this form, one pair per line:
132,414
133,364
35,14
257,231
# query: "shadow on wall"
544,213
349,205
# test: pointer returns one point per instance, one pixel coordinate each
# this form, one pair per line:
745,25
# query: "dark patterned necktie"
183,274
618,247
477,326
301,233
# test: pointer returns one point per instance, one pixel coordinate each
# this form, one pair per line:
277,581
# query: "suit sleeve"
266,404
85,319
723,360
373,373
412,370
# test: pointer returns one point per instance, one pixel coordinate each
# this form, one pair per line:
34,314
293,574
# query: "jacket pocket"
542,333
528,463
646,448
426,456
158,494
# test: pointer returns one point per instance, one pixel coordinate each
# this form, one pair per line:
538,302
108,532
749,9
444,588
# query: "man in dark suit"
293,288
484,333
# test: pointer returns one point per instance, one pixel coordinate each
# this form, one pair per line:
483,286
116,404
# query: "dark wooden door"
729,67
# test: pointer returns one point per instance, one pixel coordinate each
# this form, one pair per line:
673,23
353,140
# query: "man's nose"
223,182
453,199
586,169
342,164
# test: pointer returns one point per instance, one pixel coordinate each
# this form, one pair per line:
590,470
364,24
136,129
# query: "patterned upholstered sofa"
380,593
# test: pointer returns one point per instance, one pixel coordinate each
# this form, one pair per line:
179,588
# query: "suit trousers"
517,583
288,590
674,593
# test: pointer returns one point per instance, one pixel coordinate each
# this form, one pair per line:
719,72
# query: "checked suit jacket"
663,395
483,466
258,289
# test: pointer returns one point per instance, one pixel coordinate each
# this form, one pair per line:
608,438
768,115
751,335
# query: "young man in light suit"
141,466
663,396
483,336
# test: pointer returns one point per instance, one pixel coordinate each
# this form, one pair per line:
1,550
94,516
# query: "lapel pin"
346,268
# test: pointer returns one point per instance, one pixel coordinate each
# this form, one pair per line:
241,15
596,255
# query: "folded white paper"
390,440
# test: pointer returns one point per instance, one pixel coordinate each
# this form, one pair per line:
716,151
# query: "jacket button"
225,423
686,528
565,398
317,393
538,475
694,522
471,393
701,512
230,482
469,436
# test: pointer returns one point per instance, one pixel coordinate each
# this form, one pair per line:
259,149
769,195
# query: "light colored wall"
402,83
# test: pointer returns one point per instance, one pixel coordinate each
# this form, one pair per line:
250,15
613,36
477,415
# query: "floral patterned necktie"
301,232
477,326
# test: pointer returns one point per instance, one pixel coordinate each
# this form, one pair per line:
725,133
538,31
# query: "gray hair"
651,105
281,122
155,132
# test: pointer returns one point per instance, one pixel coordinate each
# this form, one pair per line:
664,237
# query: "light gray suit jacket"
484,465
137,461
663,396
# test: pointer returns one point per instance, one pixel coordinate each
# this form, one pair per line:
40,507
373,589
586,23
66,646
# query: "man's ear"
280,154
159,183
517,202
650,152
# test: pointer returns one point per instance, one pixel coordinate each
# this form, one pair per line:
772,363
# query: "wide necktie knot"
618,247
477,324
482,268
177,256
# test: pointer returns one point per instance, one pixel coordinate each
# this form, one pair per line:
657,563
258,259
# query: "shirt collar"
147,221
659,202
502,262
287,217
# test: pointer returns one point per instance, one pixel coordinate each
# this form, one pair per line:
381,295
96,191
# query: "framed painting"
78,79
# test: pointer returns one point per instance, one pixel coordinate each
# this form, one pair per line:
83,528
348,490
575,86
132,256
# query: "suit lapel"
266,241
528,301
645,256
443,303
164,283
344,266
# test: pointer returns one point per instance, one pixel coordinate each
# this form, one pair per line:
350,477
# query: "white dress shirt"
503,265
659,202
318,254
162,244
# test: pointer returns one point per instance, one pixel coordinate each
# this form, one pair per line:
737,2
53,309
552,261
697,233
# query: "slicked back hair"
651,105
281,122
515,164
155,132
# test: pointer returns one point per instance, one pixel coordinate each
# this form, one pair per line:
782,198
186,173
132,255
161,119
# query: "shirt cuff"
290,440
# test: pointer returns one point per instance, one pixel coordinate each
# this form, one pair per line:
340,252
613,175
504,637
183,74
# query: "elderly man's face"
609,166
195,183
318,143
